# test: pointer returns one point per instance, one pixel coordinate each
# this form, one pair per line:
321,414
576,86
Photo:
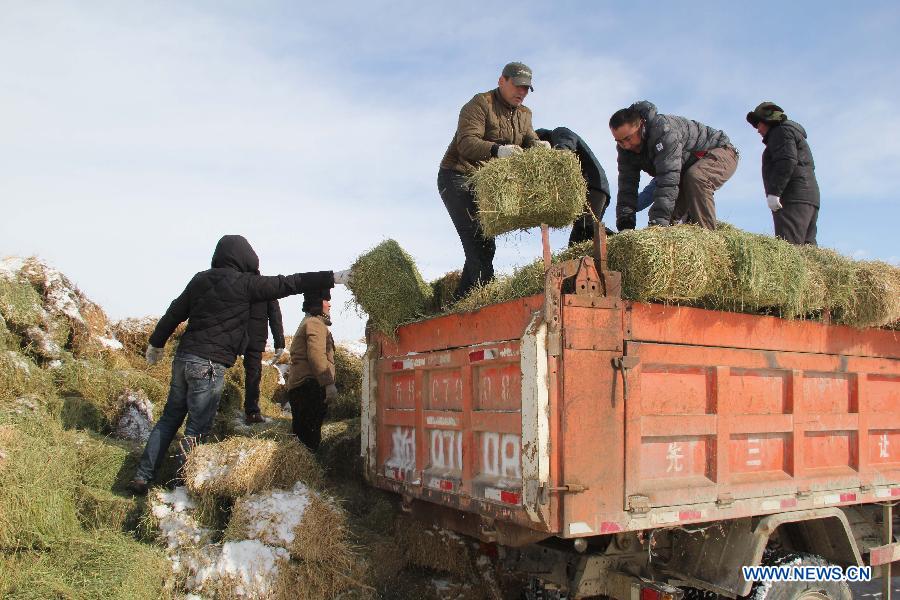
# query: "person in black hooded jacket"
789,174
216,304
263,316
563,138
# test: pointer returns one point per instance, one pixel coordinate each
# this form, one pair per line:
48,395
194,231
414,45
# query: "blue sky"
134,134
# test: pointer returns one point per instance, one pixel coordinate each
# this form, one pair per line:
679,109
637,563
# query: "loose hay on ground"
432,547
528,189
87,565
239,466
387,285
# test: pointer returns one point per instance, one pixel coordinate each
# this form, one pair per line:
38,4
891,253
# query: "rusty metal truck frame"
670,444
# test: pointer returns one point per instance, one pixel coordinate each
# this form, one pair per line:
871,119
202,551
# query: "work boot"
254,418
138,486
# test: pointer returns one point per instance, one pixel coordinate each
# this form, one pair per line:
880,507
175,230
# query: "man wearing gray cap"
493,124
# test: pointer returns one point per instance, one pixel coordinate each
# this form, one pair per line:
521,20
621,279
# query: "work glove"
331,392
540,143
343,277
508,150
279,352
774,202
153,354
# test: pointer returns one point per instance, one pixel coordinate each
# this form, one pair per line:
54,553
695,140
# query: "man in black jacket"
789,174
263,315
216,304
564,138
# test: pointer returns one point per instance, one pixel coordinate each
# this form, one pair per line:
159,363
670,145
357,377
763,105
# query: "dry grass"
528,189
433,548
388,287
240,466
443,290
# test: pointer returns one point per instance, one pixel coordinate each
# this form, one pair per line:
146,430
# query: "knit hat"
312,300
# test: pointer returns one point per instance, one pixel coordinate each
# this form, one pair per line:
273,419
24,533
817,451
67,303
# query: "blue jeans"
645,198
195,390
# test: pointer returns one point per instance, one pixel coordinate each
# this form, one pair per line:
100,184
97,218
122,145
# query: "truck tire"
798,590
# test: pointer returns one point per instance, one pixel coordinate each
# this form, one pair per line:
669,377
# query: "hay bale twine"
525,190
239,466
388,287
682,263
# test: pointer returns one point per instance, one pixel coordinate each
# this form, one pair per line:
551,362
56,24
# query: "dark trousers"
796,223
252,377
459,200
583,227
308,410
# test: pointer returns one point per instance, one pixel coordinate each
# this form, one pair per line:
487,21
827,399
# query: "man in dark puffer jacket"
216,303
688,159
789,174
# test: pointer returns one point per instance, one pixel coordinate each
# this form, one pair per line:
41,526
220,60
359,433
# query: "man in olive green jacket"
492,124
311,379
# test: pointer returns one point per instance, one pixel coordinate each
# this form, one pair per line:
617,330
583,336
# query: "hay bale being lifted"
387,285
528,189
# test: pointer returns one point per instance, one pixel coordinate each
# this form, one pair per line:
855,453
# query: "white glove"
541,143
774,202
331,392
343,277
279,352
153,354
509,150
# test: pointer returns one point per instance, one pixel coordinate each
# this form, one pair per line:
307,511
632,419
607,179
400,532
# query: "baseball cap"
520,74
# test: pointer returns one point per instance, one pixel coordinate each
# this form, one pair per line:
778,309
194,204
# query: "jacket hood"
646,108
235,252
796,126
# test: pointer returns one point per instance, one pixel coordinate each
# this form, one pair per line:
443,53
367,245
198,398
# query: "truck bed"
575,414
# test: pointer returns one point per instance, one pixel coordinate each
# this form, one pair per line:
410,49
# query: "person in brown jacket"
492,124
311,379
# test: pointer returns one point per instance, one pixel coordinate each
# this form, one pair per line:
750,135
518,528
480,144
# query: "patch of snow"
357,347
43,342
135,416
283,370
273,515
111,343
249,567
10,267
177,525
18,361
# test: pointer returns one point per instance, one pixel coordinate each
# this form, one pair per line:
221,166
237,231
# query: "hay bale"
90,565
432,547
876,296
388,287
310,526
109,391
102,463
340,449
242,569
348,378
443,291
173,515
683,263
19,376
767,273
134,334
240,466
20,304
528,189
37,504
102,509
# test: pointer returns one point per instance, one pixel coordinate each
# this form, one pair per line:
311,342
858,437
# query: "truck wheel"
798,590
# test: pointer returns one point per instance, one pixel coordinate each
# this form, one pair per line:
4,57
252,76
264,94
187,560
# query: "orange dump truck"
636,450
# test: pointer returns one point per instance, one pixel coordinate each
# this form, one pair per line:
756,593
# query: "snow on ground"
177,525
272,516
136,416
